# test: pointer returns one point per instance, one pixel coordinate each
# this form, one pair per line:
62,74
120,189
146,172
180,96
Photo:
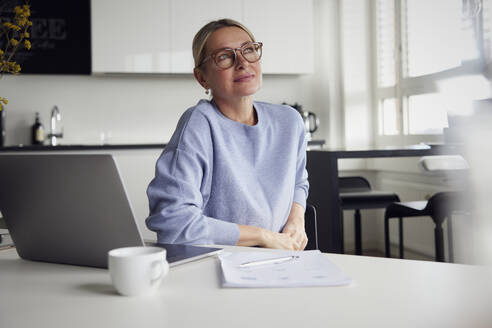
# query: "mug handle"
156,271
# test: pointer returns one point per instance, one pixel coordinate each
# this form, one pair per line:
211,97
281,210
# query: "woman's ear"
200,78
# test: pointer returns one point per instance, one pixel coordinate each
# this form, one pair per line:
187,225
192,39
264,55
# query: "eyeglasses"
227,57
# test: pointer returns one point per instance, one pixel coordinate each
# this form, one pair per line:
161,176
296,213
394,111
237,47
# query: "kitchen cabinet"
197,14
131,36
155,36
286,29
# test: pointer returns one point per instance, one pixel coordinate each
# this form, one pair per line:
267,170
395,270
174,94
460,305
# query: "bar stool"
439,207
356,194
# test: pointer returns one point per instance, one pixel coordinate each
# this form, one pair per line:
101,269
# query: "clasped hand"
294,236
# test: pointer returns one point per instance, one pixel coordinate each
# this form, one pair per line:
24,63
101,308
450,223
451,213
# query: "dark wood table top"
407,151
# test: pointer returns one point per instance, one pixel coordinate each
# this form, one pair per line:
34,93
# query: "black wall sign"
60,37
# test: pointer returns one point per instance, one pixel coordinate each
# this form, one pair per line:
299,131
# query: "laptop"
73,209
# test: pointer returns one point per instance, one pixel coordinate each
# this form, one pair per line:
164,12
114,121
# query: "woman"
233,172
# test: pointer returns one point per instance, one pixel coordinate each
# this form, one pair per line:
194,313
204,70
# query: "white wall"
135,109
326,86
356,54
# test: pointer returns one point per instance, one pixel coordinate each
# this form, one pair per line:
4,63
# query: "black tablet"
178,254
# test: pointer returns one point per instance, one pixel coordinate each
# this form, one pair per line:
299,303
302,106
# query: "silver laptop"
72,209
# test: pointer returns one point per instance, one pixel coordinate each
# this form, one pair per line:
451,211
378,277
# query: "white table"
386,293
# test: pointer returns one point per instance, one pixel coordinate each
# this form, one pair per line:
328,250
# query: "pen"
269,261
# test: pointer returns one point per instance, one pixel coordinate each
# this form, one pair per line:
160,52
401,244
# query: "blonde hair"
201,37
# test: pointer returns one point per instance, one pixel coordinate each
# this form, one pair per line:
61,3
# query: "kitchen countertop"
103,147
81,147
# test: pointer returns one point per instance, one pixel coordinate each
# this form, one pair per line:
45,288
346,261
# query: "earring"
207,91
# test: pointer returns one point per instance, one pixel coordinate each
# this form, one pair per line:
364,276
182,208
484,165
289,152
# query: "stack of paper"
309,268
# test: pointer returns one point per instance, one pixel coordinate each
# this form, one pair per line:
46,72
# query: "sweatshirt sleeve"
302,184
176,199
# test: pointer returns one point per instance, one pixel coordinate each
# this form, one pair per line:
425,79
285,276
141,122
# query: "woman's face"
242,79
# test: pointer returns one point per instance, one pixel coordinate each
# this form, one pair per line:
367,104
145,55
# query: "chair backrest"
442,204
311,227
353,184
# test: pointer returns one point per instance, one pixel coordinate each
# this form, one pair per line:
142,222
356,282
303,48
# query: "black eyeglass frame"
234,50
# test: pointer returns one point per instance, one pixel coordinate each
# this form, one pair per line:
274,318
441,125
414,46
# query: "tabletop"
385,293
392,151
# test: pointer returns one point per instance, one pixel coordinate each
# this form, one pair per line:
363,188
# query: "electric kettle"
311,121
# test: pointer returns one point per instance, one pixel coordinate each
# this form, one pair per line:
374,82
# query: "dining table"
323,172
382,293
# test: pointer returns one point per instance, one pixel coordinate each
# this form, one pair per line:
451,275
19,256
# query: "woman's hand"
281,241
297,234
256,236
295,227
292,237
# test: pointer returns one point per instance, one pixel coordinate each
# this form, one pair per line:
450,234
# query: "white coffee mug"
137,271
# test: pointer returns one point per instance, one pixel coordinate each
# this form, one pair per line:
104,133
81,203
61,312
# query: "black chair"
356,194
311,228
2,226
439,207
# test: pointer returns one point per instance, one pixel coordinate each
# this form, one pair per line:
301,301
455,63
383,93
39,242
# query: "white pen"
269,261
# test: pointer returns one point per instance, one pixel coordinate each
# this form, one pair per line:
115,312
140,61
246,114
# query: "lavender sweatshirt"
216,173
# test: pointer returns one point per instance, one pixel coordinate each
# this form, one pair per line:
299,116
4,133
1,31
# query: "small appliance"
311,121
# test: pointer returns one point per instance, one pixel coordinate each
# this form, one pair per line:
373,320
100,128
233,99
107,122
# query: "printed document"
308,268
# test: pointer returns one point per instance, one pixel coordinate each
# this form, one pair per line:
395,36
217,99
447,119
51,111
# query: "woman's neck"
240,110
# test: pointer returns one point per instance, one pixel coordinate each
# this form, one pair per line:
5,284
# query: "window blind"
487,29
433,37
385,40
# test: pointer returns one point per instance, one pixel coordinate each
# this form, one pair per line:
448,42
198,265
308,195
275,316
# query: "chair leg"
358,234
439,240
400,232
450,240
386,237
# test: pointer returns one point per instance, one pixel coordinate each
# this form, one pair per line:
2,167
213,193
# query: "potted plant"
14,34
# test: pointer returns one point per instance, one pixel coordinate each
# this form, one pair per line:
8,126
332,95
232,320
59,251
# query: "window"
433,38
487,30
386,43
420,44
389,116
426,113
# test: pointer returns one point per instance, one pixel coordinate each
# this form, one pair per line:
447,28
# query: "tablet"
178,254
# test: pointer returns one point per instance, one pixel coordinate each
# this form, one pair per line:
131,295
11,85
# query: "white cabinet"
155,36
131,36
188,17
286,29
